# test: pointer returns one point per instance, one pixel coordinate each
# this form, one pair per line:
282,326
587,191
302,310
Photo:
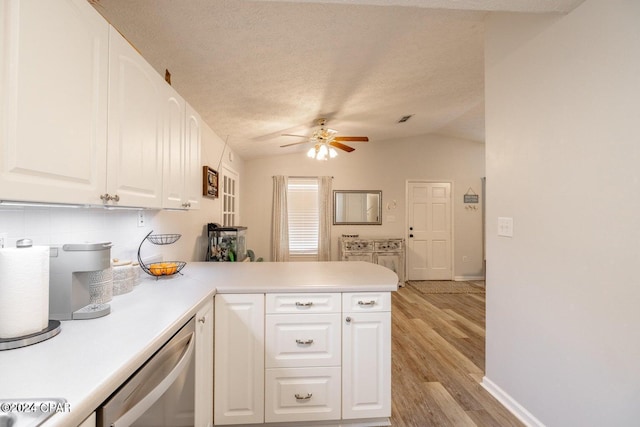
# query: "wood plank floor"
438,362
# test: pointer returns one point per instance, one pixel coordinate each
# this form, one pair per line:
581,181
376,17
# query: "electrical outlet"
141,221
3,240
505,226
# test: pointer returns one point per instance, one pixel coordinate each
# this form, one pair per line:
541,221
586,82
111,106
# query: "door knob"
410,235
410,228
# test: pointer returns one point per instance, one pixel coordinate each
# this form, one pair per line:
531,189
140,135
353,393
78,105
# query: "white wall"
378,165
63,225
562,155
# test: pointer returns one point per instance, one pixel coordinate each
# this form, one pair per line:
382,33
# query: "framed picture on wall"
209,182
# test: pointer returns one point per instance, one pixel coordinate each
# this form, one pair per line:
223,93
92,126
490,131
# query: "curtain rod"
293,176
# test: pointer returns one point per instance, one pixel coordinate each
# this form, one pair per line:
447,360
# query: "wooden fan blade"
341,146
351,138
295,143
299,136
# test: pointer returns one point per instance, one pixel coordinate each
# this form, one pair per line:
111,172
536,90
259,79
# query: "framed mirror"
357,207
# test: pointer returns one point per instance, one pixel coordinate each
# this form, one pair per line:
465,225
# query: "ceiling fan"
325,140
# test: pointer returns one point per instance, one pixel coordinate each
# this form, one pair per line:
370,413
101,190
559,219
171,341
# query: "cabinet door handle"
348,320
307,397
304,342
304,304
107,197
202,319
367,303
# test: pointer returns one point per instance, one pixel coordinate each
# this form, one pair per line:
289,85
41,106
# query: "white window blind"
303,214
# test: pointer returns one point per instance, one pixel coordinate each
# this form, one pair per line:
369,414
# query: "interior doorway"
429,230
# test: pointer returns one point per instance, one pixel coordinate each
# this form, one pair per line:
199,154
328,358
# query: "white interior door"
429,231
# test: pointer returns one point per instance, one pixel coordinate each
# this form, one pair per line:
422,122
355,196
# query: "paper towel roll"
24,291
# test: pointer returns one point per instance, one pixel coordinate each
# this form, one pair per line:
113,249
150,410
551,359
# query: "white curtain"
324,210
280,223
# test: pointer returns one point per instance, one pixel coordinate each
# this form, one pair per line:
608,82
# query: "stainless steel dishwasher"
161,392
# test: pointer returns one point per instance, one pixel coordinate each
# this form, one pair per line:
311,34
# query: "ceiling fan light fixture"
312,152
322,152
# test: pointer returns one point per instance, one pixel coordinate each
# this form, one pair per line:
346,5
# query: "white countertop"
271,277
89,359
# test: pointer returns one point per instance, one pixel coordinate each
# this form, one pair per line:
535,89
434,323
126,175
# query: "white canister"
122,277
135,273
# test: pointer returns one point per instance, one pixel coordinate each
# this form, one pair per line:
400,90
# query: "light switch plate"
505,226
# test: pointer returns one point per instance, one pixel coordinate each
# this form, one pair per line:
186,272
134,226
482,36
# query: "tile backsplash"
47,226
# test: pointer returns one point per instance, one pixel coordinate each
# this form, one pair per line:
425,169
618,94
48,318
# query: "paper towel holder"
52,329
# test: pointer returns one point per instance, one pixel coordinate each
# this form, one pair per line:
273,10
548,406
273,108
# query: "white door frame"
406,219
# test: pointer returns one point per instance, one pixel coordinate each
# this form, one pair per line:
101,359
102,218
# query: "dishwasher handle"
149,399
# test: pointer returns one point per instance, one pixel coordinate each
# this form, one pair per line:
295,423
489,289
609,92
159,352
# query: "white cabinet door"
366,365
53,101
182,174
136,107
90,421
193,168
239,359
174,159
204,366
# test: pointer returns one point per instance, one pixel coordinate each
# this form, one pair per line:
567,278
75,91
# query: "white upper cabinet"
174,150
84,118
193,168
182,172
136,114
53,101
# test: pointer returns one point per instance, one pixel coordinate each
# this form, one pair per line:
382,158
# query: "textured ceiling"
257,69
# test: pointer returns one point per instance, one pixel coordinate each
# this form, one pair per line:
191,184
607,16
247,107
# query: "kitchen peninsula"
338,310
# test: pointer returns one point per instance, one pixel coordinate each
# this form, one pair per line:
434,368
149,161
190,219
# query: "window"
303,214
229,197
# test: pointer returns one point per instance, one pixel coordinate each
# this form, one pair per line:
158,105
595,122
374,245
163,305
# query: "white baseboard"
510,403
467,278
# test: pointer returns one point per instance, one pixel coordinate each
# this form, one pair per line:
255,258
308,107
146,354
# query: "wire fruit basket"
165,268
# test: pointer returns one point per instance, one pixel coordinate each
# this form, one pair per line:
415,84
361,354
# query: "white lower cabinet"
366,355
204,366
304,357
239,359
90,421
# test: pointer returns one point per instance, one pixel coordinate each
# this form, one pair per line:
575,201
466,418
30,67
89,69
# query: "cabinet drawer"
358,245
366,301
302,394
302,340
388,245
357,256
303,303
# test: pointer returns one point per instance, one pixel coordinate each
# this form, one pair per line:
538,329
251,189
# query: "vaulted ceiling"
258,69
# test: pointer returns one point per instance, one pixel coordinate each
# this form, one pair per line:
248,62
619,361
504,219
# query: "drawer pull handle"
367,303
304,304
307,397
304,342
